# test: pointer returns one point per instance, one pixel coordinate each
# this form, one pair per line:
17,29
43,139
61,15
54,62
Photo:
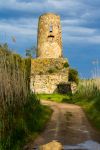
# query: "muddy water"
87,145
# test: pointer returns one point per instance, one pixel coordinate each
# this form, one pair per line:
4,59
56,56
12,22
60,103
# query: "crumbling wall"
47,83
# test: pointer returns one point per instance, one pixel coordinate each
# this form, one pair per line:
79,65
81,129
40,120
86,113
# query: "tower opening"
51,28
51,36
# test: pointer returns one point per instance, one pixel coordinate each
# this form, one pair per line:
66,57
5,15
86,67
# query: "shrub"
66,65
73,76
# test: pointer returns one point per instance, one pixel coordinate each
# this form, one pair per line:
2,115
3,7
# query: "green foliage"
26,123
55,97
88,96
73,75
87,89
21,113
66,65
4,50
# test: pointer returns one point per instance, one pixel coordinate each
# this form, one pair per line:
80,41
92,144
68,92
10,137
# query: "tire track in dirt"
68,125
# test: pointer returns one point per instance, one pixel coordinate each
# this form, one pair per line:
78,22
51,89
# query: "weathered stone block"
47,84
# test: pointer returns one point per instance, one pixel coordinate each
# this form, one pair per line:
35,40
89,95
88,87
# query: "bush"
66,65
73,76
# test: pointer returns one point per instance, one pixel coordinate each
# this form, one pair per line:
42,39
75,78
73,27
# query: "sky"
80,20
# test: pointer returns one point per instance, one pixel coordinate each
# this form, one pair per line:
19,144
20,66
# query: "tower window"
51,28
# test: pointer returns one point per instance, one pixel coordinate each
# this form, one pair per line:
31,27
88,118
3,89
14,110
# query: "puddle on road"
87,145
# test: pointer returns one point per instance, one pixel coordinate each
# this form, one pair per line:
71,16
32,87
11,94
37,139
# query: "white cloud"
67,6
94,39
77,30
75,14
80,35
23,27
23,6
72,22
64,4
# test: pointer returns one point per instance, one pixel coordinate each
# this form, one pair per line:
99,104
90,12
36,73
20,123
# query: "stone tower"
49,42
49,70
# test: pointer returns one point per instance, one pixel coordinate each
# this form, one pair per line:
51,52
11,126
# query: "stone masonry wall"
47,83
49,36
49,65
49,69
47,74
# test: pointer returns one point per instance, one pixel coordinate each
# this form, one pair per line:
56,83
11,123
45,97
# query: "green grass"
88,97
38,123
55,97
30,121
92,113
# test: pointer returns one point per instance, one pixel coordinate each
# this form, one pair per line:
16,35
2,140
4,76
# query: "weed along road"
69,126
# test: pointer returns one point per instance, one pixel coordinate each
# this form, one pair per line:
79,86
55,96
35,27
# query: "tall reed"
88,89
88,96
13,92
21,113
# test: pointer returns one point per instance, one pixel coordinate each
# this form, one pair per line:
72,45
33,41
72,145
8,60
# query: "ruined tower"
49,70
49,36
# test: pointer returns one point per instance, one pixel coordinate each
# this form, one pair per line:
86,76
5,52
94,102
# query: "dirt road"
68,125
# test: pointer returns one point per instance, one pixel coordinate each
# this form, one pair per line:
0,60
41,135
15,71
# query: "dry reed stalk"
13,90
